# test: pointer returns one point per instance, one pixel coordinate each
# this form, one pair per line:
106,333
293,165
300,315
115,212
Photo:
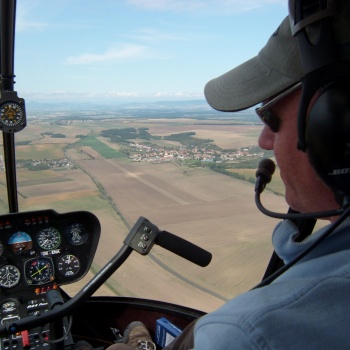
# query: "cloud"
178,5
110,97
153,35
23,13
208,6
127,52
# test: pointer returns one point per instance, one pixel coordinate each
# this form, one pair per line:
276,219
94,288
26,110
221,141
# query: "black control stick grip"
183,248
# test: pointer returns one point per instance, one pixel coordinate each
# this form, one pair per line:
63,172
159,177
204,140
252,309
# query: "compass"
39,271
12,112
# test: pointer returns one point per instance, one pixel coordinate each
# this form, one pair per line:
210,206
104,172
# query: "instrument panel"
44,248
40,251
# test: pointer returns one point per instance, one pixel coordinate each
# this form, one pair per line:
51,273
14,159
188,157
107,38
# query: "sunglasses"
269,119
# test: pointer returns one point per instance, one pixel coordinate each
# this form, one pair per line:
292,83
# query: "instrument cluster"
44,249
40,251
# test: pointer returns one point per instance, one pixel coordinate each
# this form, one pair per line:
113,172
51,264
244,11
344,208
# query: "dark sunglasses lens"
270,120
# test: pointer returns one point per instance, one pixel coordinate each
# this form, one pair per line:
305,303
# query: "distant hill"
194,109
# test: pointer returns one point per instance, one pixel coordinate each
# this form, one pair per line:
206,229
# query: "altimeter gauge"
12,112
49,238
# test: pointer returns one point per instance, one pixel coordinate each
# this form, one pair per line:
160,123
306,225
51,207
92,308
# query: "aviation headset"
323,125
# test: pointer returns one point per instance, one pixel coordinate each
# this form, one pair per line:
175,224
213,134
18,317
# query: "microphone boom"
264,174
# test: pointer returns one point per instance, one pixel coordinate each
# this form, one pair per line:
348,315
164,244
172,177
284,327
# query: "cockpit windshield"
117,125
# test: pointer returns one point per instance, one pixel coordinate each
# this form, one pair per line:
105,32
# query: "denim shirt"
307,307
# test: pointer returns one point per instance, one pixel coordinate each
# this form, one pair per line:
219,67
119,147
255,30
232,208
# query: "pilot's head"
276,78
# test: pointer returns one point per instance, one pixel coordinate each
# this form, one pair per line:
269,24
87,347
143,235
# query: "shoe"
137,337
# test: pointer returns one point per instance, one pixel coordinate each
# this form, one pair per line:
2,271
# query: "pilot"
306,307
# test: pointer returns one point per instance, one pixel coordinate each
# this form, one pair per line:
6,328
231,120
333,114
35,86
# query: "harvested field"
212,210
223,133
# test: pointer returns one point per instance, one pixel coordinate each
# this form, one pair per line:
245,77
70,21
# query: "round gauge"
76,234
49,238
11,114
68,265
9,276
20,242
8,306
39,271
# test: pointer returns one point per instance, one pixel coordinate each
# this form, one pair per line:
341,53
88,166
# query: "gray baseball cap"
276,68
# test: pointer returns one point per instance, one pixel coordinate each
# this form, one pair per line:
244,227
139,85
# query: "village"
139,152
155,154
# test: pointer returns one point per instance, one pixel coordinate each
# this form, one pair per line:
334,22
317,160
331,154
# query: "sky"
116,51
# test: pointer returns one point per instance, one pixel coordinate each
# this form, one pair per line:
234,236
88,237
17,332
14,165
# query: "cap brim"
245,86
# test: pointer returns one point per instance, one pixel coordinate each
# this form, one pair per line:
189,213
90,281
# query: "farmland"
208,208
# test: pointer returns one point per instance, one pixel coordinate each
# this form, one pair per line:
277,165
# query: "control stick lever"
144,234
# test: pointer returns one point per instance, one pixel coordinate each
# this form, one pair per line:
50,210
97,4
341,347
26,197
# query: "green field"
100,147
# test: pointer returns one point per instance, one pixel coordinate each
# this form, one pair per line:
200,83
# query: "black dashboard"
40,251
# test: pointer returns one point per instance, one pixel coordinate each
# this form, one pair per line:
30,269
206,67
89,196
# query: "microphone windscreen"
266,169
183,248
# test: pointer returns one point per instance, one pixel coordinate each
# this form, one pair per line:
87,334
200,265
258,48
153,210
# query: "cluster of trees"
57,136
37,167
32,165
187,139
221,168
118,135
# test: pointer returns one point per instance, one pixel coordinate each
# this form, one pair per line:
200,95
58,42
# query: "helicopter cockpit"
50,264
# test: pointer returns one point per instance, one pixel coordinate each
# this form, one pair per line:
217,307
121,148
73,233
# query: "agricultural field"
212,210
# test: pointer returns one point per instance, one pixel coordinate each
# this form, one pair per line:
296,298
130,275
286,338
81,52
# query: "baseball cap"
276,68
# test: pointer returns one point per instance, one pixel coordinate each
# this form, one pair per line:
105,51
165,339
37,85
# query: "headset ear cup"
327,137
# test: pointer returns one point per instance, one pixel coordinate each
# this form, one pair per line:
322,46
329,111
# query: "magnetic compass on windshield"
12,112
